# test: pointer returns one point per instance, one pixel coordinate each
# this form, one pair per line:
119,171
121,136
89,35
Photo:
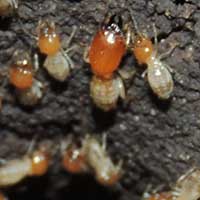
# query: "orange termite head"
109,180
74,160
107,48
21,71
142,48
48,39
40,163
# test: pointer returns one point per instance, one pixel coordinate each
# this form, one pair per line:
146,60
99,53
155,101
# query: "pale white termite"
105,92
59,65
7,7
32,95
14,171
106,172
158,73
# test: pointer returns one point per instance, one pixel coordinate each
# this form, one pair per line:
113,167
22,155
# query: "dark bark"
157,140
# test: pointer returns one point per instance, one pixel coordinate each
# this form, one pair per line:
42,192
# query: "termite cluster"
22,72
108,46
90,156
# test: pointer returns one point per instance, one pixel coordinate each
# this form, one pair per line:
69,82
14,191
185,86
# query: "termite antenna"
108,3
15,5
135,24
32,145
74,29
155,38
104,139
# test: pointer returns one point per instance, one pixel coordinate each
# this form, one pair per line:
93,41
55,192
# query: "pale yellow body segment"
31,96
58,66
105,92
159,78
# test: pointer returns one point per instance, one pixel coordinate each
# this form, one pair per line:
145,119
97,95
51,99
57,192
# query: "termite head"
74,160
48,38
40,162
107,43
142,48
58,66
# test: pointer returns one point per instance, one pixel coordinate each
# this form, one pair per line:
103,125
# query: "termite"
104,55
106,172
187,186
57,63
158,72
14,171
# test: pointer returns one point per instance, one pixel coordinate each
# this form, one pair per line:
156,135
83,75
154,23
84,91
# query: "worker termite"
21,70
14,171
104,56
158,73
57,62
7,7
32,95
48,39
106,172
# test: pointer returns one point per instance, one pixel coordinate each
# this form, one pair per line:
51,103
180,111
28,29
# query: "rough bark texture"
158,141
